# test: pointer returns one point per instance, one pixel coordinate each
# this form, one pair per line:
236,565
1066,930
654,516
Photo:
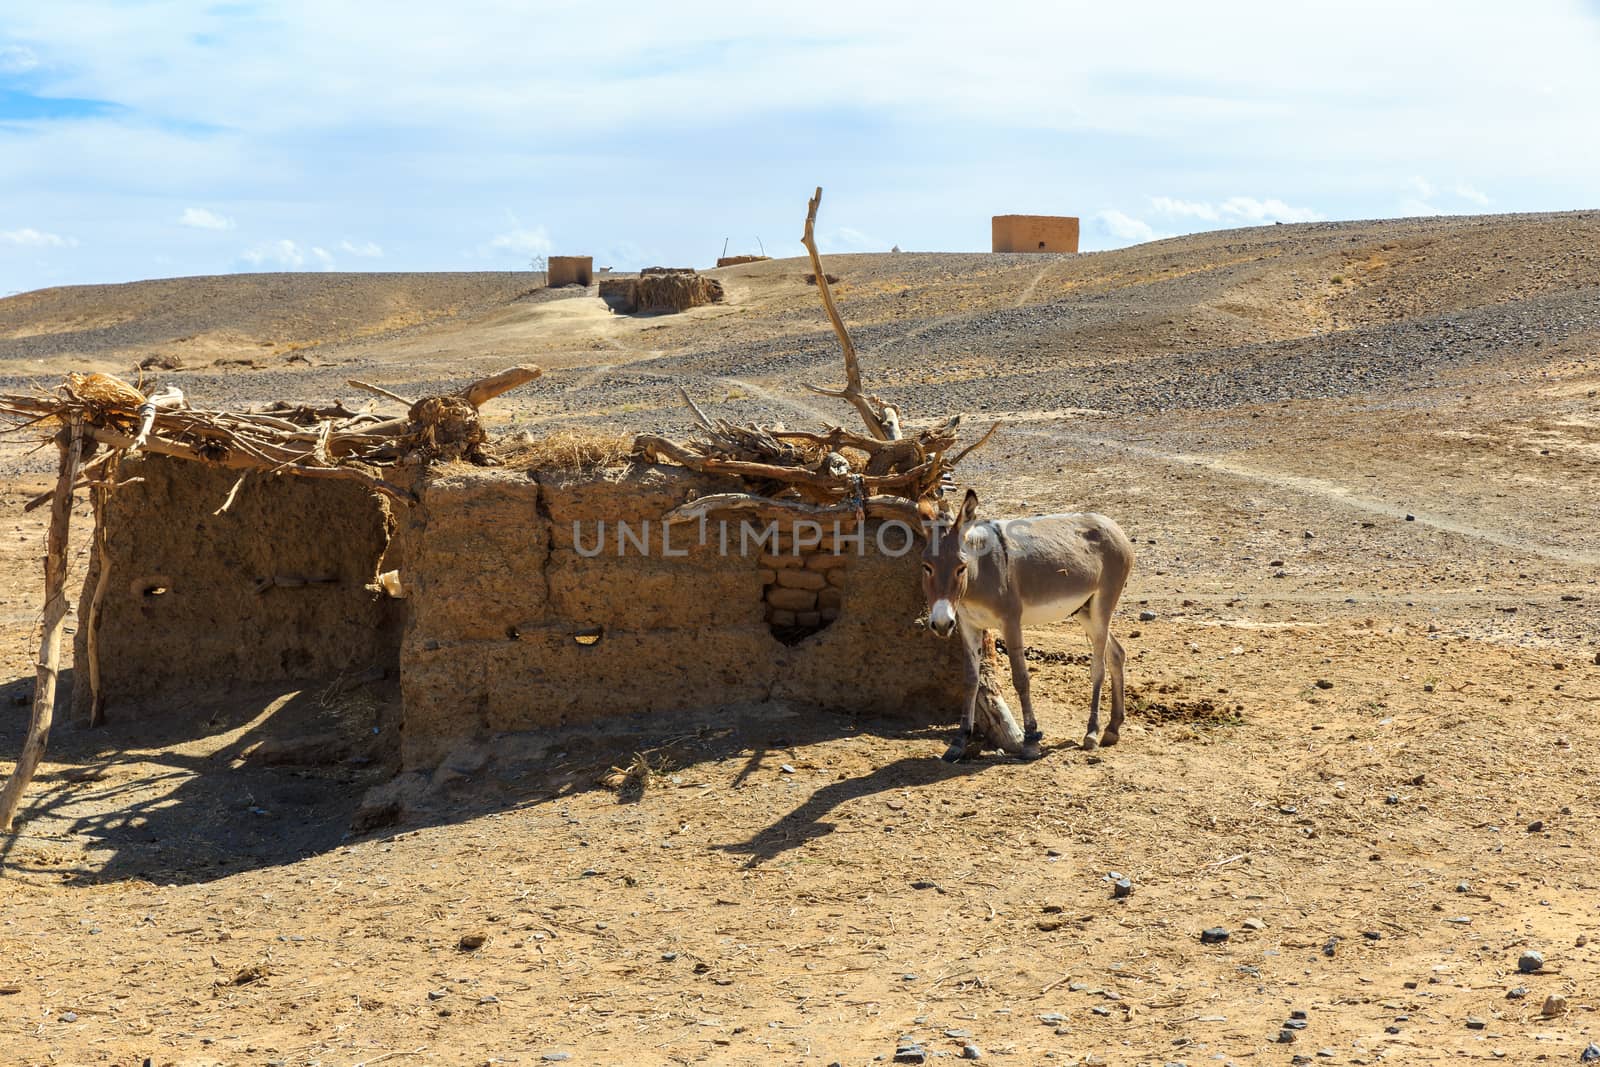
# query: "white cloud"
202,219
1166,205
1423,198
1125,227
31,238
284,253
364,250
1234,210
15,59
323,257
520,241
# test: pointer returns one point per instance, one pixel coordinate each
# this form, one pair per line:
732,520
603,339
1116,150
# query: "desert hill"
1359,464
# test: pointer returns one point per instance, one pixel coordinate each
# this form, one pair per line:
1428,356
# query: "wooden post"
101,496
993,726
55,617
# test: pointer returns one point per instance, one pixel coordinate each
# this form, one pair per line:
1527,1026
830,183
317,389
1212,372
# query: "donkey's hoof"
1033,737
1030,752
1090,744
1109,738
955,753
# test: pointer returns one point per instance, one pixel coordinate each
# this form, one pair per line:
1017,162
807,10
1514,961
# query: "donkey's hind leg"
1107,650
1095,627
1116,657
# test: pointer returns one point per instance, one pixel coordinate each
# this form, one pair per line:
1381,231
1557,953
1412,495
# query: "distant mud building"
660,290
569,270
1035,233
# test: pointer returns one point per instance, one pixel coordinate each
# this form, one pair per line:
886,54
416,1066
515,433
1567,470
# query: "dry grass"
568,450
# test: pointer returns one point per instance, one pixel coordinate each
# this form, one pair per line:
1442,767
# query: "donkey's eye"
927,568
961,568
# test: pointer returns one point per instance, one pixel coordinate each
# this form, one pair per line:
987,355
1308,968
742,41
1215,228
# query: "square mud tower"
1034,233
579,270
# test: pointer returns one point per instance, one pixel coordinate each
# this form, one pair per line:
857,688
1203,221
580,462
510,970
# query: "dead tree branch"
55,617
882,420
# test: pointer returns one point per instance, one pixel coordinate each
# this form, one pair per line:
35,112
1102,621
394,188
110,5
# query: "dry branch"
102,504
55,616
883,421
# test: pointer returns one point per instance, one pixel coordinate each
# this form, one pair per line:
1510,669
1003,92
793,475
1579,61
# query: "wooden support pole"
102,554
55,619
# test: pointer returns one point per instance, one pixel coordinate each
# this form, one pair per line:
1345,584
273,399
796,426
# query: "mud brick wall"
1035,233
569,270
182,615
518,622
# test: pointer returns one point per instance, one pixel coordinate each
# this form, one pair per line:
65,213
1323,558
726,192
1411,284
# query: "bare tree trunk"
91,625
55,617
993,726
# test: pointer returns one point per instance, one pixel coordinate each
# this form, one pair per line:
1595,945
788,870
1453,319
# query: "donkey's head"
944,564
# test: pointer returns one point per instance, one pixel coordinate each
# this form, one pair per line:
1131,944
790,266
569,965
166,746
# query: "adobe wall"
499,592
569,270
1035,233
500,596
182,614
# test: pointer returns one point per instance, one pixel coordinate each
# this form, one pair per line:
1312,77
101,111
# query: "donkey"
1003,574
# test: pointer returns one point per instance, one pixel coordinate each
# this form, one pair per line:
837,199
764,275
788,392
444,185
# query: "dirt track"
1385,483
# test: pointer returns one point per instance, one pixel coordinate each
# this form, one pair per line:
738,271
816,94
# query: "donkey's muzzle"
942,618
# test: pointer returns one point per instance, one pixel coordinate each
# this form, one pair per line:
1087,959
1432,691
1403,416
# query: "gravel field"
1359,462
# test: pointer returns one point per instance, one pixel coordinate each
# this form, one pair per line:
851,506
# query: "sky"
159,138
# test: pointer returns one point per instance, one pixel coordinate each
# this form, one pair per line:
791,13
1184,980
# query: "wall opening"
802,592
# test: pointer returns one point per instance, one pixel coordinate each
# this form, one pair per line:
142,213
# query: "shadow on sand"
208,789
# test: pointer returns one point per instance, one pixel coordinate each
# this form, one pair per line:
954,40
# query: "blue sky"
148,138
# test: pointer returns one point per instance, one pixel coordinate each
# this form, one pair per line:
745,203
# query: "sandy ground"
1363,717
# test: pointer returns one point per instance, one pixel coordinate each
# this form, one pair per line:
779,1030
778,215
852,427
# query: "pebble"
1254,924
1536,826
1294,1024
958,1033
1121,888
471,942
556,1057
69,1016
1590,1054
1463,887
1475,1023
1518,993
1555,1004
1213,936
1323,683
912,1053
1287,1037
1150,616
668,957
787,768
1372,935
1530,961
971,1052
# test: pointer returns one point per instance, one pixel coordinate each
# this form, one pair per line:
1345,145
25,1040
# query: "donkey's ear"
969,507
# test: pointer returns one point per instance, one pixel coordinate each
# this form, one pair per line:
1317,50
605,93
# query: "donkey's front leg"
1016,651
971,649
